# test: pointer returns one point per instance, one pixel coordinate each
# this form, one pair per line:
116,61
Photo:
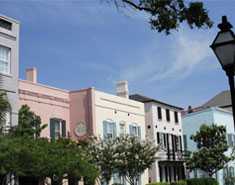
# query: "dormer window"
5,24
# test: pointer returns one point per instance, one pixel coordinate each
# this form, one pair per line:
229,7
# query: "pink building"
82,113
50,103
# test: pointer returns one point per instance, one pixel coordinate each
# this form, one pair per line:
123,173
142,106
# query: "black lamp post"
224,49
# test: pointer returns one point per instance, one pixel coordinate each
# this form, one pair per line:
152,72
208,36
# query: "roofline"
157,101
81,90
9,18
42,85
206,110
204,104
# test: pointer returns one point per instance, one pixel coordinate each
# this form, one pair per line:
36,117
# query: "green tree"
4,107
103,154
133,157
36,159
29,124
167,15
212,145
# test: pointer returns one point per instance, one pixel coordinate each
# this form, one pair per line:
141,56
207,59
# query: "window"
230,140
6,122
122,129
159,113
5,24
158,138
185,142
231,171
162,140
5,60
57,128
168,115
176,117
116,178
135,130
109,129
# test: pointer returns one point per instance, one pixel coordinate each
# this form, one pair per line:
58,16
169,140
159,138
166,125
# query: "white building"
192,122
164,127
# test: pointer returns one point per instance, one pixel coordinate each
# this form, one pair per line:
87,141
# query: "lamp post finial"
225,25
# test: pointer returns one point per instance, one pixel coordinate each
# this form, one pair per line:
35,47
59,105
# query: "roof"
144,99
223,99
206,110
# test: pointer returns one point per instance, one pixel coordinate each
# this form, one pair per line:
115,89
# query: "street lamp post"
224,49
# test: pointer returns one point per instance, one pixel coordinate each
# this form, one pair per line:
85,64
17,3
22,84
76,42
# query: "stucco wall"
81,111
214,115
192,123
46,102
163,126
10,39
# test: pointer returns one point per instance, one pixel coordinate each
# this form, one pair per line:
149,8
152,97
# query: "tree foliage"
167,15
103,153
126,156
24,154
40,158
212,145
134,157
4,107
29,124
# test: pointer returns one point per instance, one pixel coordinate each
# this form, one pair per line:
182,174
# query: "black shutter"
158,138
52,128
185,142
63,124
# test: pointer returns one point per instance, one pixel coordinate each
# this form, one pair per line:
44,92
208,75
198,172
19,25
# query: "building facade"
214,115
9,62
83,113
51,104
164,128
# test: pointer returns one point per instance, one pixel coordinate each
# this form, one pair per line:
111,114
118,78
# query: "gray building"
9,65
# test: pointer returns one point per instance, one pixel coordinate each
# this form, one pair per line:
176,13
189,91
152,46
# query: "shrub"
180,182
158,183
202,181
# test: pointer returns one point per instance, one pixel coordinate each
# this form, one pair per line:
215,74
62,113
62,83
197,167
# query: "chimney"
122,89
31,74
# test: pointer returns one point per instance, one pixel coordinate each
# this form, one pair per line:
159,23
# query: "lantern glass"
226,54
224,48
224,37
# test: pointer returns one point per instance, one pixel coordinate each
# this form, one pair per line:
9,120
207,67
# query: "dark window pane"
159,112
158,137
168,115
5,24
176,117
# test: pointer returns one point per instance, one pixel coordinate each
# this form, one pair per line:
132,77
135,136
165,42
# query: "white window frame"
110,129
135,126
122,128
8,61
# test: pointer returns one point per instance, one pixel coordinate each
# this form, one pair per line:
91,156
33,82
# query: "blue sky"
82,43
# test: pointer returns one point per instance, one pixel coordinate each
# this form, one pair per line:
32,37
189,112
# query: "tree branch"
138,7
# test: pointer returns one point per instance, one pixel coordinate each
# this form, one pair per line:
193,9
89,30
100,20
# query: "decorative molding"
36,101
43,96
117,102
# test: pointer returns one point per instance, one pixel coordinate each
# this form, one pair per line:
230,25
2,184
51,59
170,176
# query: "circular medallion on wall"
80,129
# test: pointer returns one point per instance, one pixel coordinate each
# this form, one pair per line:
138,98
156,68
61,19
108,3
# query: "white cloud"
184,54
